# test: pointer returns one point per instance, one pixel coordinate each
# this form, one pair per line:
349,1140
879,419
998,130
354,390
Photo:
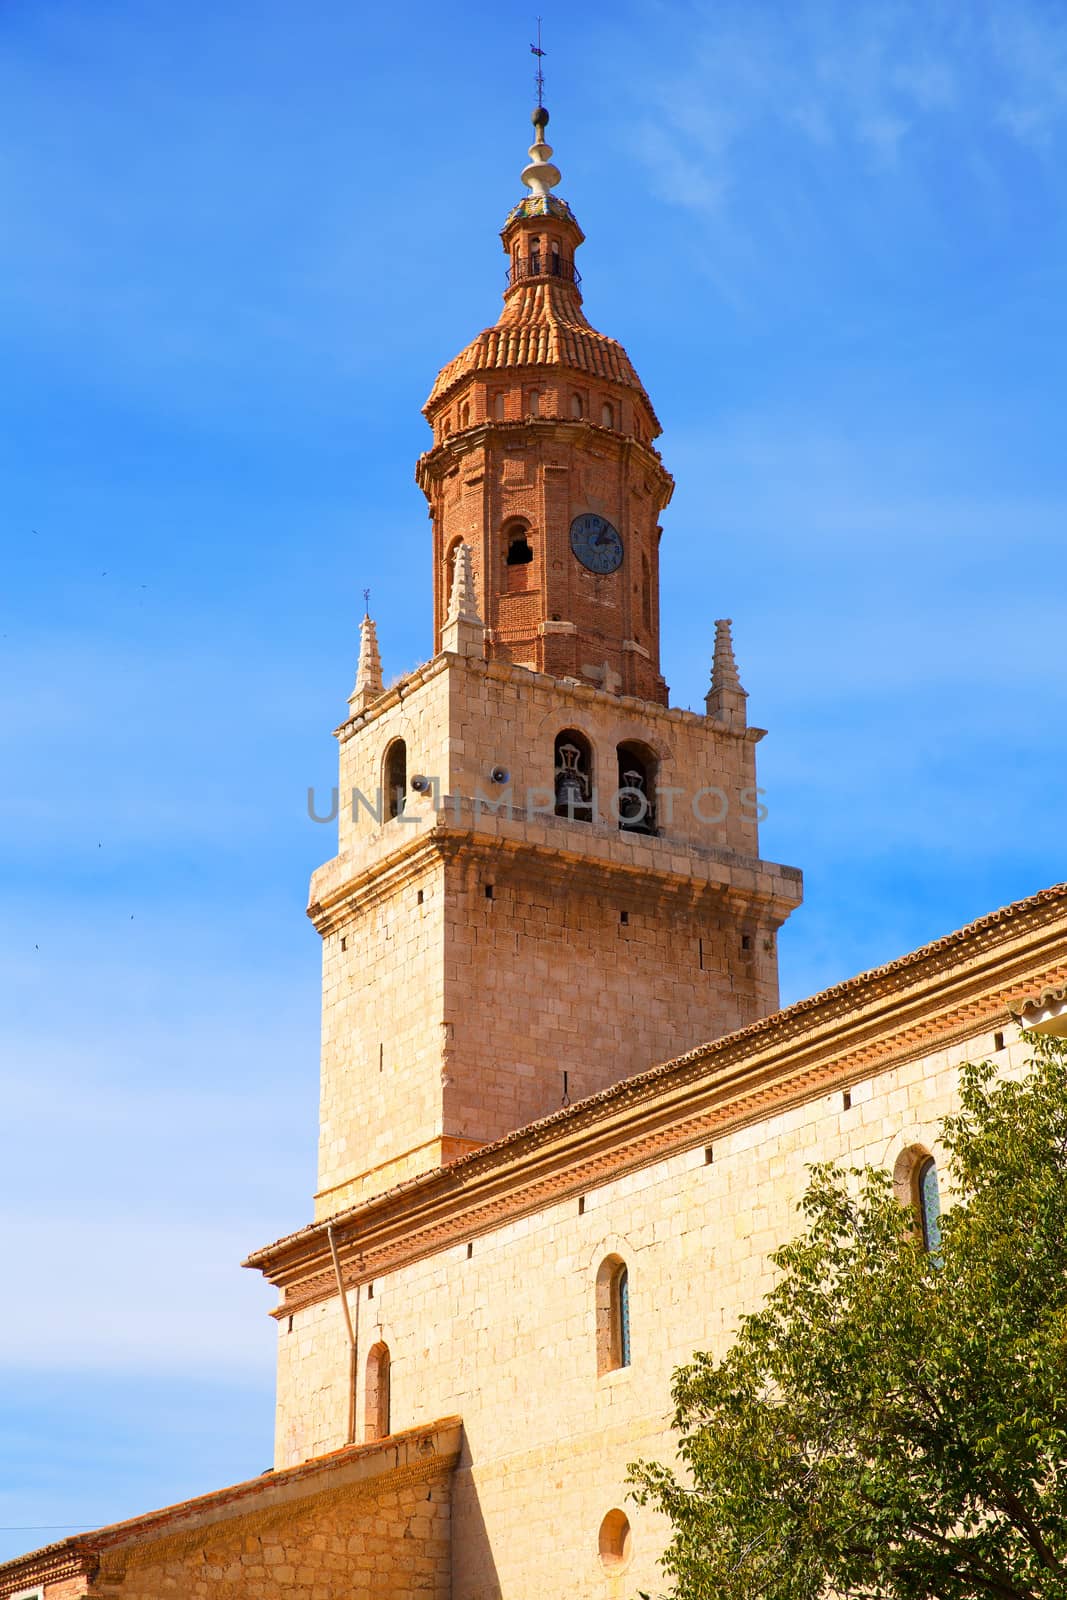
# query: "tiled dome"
542,324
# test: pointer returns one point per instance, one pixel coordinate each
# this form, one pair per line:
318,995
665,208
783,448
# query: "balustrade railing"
523,267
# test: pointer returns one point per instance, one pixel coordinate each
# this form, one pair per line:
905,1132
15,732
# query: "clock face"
596,543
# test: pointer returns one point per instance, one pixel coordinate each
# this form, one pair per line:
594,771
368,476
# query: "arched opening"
377,1405
533,403
577,408
574,776
395,778
915,1185
535,256
635,805
464,414
556,268
615,1541
498,407
612,1315
607,414
518,557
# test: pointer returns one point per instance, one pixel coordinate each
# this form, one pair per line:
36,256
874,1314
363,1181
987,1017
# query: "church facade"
563,1121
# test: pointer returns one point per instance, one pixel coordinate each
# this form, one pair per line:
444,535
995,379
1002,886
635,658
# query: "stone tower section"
547,878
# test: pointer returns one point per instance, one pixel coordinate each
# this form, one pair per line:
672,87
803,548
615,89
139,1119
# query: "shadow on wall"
474,1574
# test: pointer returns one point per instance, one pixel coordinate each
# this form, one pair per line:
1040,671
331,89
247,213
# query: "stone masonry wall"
506,1336
449,1018
560,973
390,1542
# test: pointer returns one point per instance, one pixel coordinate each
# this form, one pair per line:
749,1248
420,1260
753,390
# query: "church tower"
547,878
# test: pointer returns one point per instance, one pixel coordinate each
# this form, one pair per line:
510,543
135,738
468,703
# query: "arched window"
377,1406
464,415
556,269
928,1204
498,407
612,1315
535,256
520,551
615,1540
574,776
533,403
607,414
577,409
518,556
635,804
395,778
915,1186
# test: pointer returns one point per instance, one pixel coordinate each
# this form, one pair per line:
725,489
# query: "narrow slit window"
379,1396
612,1315
928,1196
622,1292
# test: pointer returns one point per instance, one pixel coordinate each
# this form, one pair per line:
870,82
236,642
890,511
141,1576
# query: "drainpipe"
353,1335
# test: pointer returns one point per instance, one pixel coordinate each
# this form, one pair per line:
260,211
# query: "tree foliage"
893,1424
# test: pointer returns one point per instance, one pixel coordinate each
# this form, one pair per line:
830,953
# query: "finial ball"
540,117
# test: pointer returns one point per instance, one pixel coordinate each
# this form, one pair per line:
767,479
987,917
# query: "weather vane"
539,76
366,602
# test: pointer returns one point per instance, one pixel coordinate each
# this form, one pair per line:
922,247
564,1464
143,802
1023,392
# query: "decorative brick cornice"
444,459
941,994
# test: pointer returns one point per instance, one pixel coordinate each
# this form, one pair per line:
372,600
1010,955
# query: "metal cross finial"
539,76
366,602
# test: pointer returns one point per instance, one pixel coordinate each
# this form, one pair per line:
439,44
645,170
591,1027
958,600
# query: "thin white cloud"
868,81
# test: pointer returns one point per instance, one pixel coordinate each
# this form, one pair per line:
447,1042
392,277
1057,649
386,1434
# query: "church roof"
542,324
973,976
379,1461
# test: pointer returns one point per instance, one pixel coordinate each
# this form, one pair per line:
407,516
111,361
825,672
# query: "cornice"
569,691
394,695
943,993
442,459
562,861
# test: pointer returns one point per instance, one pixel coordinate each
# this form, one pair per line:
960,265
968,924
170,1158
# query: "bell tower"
543,462
547,878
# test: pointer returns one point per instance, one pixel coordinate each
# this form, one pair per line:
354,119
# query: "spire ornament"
464,631
726,700
540,177
369,685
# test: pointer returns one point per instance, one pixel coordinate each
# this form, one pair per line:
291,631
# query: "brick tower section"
539,420
547,879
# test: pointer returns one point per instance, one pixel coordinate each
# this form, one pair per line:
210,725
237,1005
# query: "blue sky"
239,240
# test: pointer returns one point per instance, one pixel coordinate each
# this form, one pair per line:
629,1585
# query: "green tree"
892,1424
